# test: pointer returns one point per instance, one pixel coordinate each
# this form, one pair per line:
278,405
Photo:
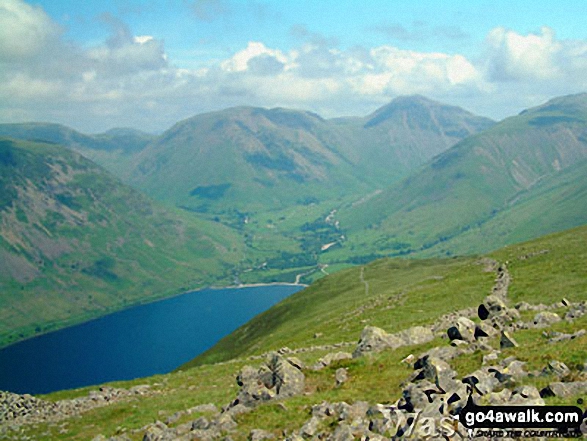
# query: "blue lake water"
144,340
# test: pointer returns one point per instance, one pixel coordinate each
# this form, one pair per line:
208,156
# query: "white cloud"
521,57
239,62
24,30
129,80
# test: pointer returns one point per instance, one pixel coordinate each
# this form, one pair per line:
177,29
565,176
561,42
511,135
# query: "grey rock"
463,329
555,337
201,423
526,395
417,335
331,358
557,368
499,398
490,358
323,410
310,428
507,341
514,368
203,408
483,381
484,330
342,433
354,411
287,379
341,376
225,423
559,389
375,339
445,353
156,432
492,306
545,319
277,378
436,371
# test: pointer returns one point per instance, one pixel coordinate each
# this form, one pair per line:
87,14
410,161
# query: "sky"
147,64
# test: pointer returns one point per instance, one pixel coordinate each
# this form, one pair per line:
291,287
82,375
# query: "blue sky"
146,64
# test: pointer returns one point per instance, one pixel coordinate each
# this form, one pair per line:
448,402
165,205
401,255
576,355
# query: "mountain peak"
422,112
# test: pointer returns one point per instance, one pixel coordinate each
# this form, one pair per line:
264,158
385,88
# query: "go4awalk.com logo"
523,421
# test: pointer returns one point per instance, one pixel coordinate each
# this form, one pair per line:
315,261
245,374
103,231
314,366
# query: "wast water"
140,341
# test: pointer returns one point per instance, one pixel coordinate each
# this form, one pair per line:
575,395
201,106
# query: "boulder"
463,329
557,368
483,381
417,335
278,377
484,330
492,306
559,389
331,358
375,339
287,379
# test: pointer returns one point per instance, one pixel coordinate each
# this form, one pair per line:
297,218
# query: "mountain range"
263,195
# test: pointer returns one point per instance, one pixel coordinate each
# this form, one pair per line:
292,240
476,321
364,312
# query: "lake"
137,342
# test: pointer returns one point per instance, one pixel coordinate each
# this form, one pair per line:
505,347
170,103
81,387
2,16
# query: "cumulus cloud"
24,30
128,79
517,57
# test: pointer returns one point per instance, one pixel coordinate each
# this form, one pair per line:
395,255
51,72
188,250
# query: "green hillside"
393,294
76,243
504,175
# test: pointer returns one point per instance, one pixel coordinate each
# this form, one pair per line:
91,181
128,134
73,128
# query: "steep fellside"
76,243
527,159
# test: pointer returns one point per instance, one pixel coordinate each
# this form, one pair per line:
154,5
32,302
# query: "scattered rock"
555,337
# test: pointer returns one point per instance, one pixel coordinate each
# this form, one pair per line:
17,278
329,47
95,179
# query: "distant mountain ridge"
256,158
274,153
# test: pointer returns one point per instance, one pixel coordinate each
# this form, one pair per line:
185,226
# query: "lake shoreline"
57,326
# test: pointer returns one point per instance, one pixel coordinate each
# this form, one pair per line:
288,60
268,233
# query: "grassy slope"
337,305
76,243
